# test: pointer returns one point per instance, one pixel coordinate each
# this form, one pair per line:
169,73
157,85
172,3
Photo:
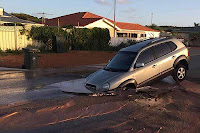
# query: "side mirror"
138,65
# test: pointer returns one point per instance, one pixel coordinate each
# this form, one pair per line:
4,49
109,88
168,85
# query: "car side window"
146,56
172,46
162,49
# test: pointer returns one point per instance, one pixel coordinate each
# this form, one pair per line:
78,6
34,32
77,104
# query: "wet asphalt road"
21,86
193,74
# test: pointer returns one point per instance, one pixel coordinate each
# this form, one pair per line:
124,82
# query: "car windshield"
122,61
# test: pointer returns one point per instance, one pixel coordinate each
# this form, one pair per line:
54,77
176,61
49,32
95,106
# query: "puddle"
73,86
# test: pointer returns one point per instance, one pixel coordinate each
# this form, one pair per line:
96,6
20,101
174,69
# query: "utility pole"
151,18
58,25
115,17
43,14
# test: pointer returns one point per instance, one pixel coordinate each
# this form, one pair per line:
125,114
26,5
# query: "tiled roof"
80,18
8,18
85,18
131,26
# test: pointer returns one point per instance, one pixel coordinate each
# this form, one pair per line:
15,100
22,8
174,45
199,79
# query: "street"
33,102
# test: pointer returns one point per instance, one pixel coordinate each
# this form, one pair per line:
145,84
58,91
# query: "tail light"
188,52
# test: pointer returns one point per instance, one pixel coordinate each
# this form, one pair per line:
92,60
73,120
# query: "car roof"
138,46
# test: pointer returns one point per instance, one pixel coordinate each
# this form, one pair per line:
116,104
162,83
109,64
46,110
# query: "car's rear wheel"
180,73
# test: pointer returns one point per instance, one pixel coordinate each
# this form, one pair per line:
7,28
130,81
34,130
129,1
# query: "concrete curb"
12,69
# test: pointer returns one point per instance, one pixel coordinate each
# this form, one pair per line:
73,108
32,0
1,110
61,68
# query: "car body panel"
160,66
149,70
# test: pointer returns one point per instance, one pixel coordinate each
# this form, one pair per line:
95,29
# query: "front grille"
89,86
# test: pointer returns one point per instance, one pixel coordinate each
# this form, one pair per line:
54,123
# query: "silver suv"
137,65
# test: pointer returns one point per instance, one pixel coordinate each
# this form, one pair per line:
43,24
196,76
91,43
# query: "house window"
122,34
125,35
143,35
134,35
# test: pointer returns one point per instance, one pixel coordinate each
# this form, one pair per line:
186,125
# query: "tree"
155,27
26,17
196,24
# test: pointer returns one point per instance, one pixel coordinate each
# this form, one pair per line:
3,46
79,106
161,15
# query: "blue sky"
166,12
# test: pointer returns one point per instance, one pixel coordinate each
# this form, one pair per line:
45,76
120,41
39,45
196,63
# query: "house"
6,18
184,33
10,34
90,20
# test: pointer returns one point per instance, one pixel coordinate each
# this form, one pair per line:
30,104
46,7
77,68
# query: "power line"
111,11
43,14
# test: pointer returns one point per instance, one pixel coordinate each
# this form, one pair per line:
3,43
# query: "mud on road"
171,108
174,108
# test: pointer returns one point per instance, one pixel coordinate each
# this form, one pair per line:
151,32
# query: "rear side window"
172,46
162,49
146,56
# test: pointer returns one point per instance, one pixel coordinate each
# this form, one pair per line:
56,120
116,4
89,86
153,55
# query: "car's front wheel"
180,73
126,90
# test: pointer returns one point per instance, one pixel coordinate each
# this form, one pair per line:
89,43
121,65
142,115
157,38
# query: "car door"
164,57
150,69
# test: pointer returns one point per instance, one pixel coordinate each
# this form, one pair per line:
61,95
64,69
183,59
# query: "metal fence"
11,38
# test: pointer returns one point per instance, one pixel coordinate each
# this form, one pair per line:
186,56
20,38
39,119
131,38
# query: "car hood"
101,77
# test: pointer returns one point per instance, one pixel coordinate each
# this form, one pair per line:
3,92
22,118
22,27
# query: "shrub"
75,39
194,36
14,51
122,45
90,39
42,33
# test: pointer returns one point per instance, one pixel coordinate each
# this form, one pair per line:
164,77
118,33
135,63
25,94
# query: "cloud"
102,2
124,1
128,10
109,2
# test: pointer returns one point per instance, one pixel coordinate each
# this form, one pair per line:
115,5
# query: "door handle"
154,66
173,56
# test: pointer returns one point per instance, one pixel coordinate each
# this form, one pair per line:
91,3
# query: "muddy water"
23,86
170,109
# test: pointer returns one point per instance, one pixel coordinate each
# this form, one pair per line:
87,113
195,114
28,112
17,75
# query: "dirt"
170,109
59,60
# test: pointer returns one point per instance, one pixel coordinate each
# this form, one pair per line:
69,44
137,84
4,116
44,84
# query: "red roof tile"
131,26
85,18
91,15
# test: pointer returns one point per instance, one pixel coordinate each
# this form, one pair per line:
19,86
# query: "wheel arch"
181,60
131,82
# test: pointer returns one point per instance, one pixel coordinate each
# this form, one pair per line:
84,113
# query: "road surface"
167,107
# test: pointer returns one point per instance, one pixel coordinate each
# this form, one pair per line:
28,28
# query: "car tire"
125,91
180,73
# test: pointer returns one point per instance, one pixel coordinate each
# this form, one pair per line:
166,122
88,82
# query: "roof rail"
157,39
